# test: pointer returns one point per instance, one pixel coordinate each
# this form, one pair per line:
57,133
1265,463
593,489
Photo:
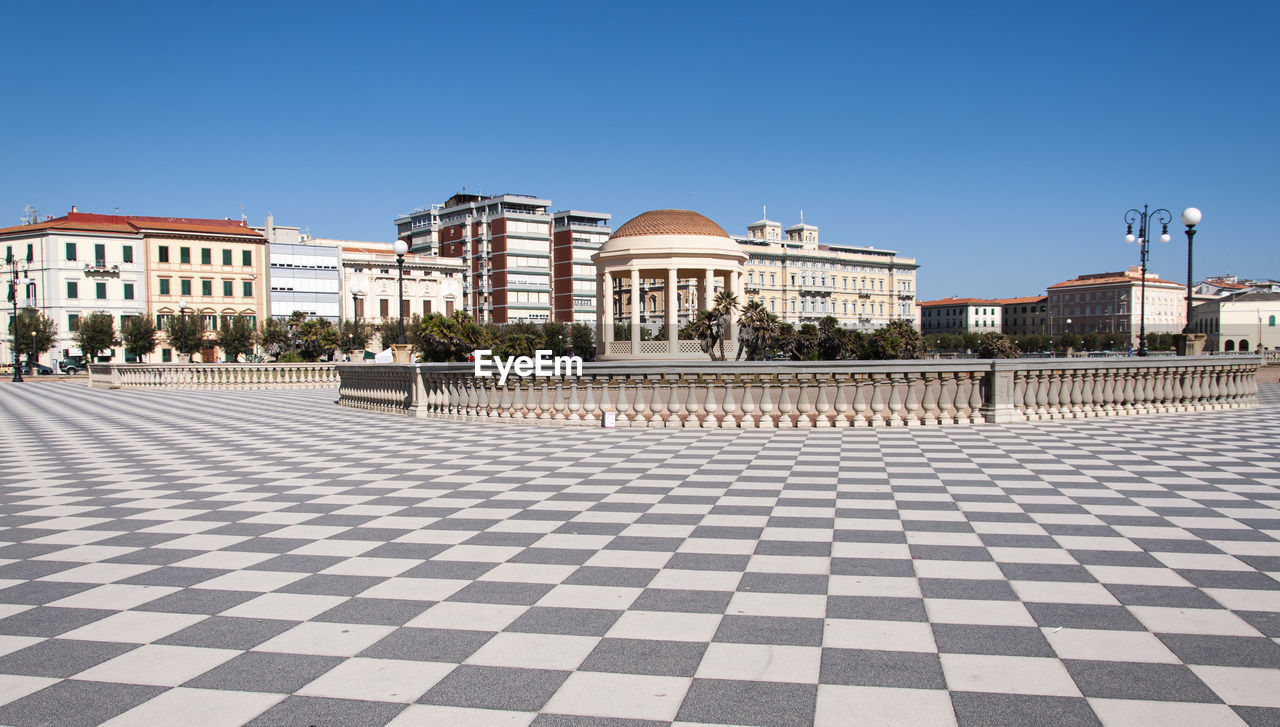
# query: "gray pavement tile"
1131,680
74,703
258,671
873,668
495,687
321,711
768,704
981,709
426,644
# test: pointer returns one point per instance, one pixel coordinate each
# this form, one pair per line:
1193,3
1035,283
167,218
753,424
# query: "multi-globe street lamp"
1145,219
401,247
1190,218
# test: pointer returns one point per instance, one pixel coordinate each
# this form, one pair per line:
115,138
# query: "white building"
432,284
1112,303
1239,322
961,315
79,264
304,273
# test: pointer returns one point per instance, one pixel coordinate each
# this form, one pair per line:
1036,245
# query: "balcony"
100,267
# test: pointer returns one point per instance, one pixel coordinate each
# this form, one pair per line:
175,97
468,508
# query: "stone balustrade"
773,395
213,376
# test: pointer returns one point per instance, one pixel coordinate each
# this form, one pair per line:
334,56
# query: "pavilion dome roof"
669,222
675,233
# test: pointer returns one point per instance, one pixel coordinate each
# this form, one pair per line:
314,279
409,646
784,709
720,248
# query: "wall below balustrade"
810,394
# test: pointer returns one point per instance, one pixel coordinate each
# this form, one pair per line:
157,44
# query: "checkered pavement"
268,558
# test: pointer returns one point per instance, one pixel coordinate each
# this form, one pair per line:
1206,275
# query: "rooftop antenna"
802,217
764,212
242,217
30,215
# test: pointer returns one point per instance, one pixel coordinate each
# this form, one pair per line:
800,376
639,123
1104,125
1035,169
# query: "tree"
139,334
757,328
705,327
353,336
274,337
96,333
45,334
236,337
898,340
518,339
555,338
724,306
186,334
582,341
996,345
317,339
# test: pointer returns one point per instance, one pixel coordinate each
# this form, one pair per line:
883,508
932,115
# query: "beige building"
802,280
369,281
1112,303
1239,322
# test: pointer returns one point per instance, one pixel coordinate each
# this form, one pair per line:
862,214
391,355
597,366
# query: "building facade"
129,265
961,315
304,274
1024,316
1112,303
575,236
802,280
1244,321
370,282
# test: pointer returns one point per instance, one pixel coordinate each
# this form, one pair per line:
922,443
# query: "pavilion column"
672,313
635,312
604,309
735,286
709,289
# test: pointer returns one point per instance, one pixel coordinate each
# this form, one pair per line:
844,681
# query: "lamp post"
400,247
1190,218
1145,219
24,282
182,313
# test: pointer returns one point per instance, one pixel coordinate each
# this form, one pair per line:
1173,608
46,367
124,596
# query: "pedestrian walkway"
268,558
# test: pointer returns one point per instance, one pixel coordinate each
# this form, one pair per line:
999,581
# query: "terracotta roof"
1016,301
1118,279
960,301
89,222
669,222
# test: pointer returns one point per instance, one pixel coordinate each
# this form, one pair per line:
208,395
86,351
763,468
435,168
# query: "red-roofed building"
1024,316
130,265
1111,303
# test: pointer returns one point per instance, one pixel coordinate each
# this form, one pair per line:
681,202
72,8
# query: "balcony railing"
101,266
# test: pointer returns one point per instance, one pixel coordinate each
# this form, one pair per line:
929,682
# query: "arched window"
1229,345
1244,345
1273,322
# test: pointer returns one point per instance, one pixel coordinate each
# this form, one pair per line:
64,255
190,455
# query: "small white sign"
610,419
386,356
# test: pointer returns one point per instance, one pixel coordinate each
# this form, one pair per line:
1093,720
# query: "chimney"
270,228
73,208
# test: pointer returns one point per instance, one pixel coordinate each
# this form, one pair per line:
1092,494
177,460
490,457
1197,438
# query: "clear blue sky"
999,143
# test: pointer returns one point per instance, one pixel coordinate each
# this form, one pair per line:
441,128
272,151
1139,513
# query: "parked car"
73,365
41,370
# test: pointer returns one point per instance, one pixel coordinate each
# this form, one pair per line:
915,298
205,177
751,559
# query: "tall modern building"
505,244
575,235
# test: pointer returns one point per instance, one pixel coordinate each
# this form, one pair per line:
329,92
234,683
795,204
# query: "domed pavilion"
661,248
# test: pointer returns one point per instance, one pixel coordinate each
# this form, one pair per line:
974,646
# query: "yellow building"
210,268
799,279
802,280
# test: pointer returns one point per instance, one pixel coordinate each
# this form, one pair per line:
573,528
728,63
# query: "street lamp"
182,313
23,282
401,247
358,288
1190,218
1145,219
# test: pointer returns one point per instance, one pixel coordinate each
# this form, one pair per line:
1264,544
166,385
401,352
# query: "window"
161,320
73,322
248,289
71,251
206,256
164,286
162,253
101,292
206,287
186,286
166,355
384,307
359,307
226,289
100,254
1272,323
30,252
128,291
226,257
73,290
211,322
127,254
184,255
246,257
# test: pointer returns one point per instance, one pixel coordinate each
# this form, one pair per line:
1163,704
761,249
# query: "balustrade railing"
226,376
802,395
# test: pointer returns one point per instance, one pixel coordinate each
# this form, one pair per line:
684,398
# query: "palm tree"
725,304
705,327
754,329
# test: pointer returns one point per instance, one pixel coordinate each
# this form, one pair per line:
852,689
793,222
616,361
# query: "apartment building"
370,281
1024,316
1242,321
1112,303
129,265
575,235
